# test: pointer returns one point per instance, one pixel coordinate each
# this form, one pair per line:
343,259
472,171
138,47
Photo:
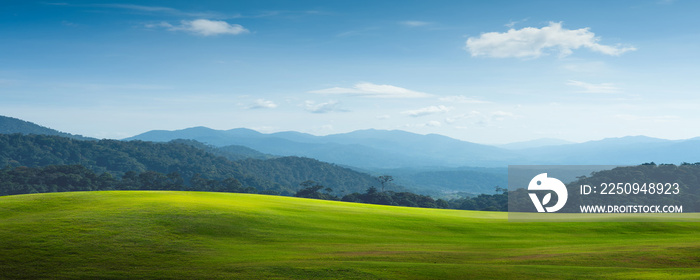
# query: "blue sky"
481,71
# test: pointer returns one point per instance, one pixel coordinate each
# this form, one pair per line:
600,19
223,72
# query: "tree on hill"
385,180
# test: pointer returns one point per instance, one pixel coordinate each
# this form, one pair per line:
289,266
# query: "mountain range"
369,149
391,149
429,164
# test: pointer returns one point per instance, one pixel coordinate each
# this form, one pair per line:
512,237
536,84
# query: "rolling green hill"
199,235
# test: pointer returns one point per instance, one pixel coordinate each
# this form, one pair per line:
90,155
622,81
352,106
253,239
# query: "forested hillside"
117,158
663,183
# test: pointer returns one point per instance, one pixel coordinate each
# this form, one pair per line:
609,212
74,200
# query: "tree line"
312,189
482,202
68,178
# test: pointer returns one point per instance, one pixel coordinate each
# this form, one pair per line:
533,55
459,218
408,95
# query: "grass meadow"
200,235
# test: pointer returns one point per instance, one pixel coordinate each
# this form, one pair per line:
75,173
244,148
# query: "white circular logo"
542,183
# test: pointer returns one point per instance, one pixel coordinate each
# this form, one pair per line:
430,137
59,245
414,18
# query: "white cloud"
263,104
374,90
203,27
461,99
427,111
594,88
533,42
414,23
325,107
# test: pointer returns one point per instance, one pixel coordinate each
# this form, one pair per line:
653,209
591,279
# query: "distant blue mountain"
629,150
363,148
542,142
382,149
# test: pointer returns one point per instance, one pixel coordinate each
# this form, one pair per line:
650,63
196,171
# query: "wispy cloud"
414,23
512,23
141,8
356,32
531,42
162,10
289,14
461,99
427,111
594,88
325,107
457,118
262,104
203,27
374,90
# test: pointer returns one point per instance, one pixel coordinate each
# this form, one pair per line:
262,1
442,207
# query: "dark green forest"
68,178
281,175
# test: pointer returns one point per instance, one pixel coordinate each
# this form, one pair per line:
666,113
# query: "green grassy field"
197,235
